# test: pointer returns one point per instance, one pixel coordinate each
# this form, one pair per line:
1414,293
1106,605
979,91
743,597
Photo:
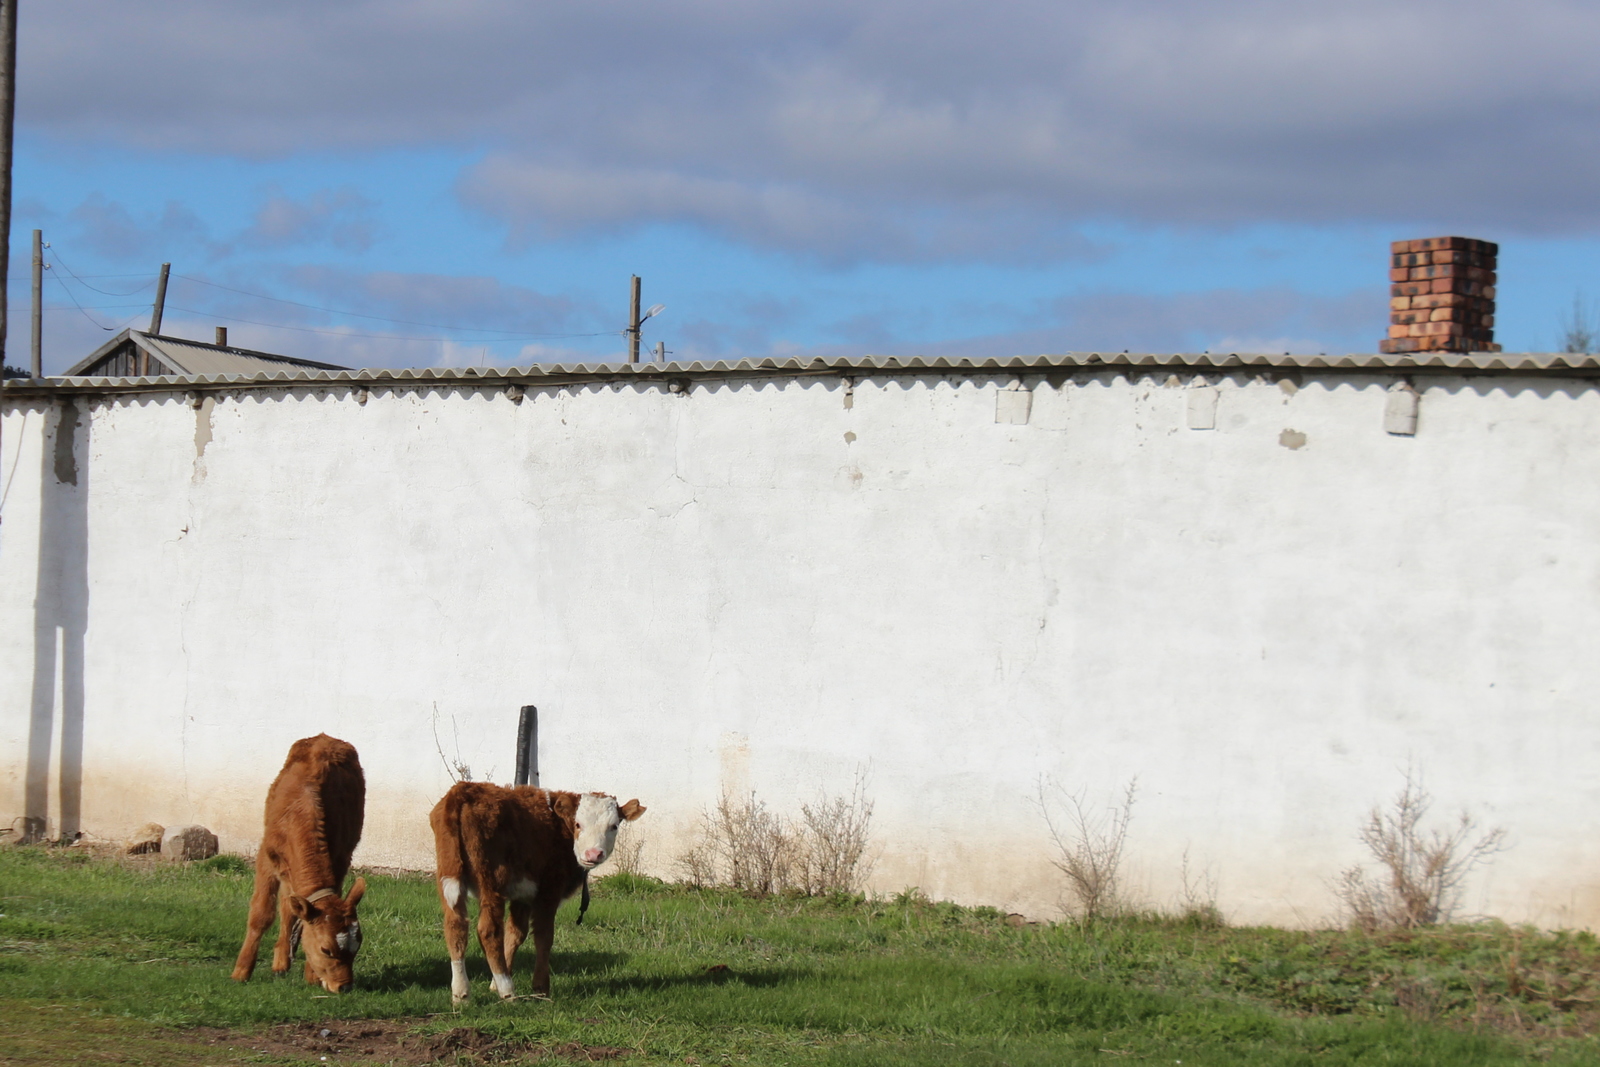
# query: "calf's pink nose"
594,855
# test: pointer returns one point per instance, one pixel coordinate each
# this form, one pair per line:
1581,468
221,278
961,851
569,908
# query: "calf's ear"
301,908
565,805
632,809
355,892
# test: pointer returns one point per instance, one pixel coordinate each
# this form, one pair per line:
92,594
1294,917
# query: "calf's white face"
595,827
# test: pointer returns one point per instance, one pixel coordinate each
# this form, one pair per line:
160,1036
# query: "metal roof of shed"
196,359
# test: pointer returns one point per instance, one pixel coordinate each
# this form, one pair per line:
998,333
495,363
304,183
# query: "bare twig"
456,769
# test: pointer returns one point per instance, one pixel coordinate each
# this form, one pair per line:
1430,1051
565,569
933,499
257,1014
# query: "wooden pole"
161,299
633,324
528,747
8,112
38,304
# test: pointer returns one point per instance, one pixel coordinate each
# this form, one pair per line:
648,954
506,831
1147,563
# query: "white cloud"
877,129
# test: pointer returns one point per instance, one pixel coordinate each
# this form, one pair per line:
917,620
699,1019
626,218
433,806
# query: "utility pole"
8,113
161,299
661,351
633,323
38,304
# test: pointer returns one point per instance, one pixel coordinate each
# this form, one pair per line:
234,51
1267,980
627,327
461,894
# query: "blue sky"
430,183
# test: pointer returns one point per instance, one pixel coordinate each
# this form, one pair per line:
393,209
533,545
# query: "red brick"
1402,345
1465,259
1444,300
1449,270
1465,316
1463,286
1400,303
1458,244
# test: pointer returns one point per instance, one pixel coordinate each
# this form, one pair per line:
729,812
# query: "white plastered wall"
771,585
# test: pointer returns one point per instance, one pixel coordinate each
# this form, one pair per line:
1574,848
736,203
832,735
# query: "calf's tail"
450,862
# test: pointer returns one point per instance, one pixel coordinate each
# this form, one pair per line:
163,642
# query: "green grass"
828,981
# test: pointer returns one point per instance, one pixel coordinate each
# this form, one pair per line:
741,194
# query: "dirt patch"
393,1042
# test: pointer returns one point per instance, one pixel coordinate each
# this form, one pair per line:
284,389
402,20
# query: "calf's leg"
456,933
491,923
262,902
288,934
544,935
517,916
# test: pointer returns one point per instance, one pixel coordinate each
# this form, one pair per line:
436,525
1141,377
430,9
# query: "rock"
27,830
188,843
146,838
1016,919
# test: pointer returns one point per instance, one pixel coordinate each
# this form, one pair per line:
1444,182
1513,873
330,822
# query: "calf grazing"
314,814
526,847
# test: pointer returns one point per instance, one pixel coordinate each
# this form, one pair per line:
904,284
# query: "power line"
56,255
380,336
68,290
510,334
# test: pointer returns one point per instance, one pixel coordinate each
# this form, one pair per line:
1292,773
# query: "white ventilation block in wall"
1400,410
1013,404
1203,408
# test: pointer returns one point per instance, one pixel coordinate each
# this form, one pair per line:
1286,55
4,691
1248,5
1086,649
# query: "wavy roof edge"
1439,362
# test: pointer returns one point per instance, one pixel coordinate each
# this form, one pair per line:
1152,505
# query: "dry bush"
833,841
1088,849
756,847
697,864
1422,872
1199,904
744,845
627,855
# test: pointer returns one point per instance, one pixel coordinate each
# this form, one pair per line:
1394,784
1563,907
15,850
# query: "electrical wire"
67,289
497,335
377,336
56,255
91,307
507,334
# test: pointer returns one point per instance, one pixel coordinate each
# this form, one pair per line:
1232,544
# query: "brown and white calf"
522,850
314,813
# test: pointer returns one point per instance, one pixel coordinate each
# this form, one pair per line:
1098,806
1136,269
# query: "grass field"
105,960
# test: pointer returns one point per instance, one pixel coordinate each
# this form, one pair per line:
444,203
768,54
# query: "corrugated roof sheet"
193,359
201,360
1546,363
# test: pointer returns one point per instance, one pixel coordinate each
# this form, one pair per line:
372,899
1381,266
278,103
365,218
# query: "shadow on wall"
61,610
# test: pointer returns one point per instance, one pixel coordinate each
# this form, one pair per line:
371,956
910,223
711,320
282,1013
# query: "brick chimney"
1441,295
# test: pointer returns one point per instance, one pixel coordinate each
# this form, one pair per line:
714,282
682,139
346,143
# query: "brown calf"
314,814
526,847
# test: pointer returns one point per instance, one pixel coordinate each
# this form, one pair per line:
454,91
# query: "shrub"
744,845
1422,871
1088,849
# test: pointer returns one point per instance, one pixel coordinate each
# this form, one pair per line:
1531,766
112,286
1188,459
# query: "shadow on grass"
396,977
755,978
